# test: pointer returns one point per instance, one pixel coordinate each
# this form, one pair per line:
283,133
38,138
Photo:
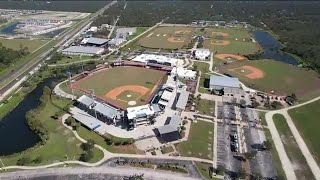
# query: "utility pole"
93,97
69,75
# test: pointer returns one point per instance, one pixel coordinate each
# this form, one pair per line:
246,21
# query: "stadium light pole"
69,75
93,96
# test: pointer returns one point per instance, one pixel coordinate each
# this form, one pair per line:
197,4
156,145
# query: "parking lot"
262,163
227,140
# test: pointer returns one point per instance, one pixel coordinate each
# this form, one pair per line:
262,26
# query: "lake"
15,135
271,47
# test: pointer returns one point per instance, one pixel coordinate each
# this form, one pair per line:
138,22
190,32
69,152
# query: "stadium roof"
183,99
166,95
106,110
98,41
83,49
173,125
139,111
86,100
224,81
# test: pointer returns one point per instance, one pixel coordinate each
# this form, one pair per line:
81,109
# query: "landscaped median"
306,119
200,141
301,167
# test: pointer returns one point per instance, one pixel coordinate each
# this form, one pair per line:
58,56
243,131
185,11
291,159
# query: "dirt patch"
220,42
226,56
183,32
220,34
176,40
249,72
117,91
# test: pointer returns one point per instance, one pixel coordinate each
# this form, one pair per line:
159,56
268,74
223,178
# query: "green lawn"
167,149
239,39
307,121
203,169
104,81
280,77
71,59
199,143
87,134
294,153
10,104
262,116
139,30
205,107
31,44
201,66
62,144
275,157
65,87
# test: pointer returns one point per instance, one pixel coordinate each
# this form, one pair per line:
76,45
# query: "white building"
157,59
83,50
184,73
202,54
116,41
228,84
93,29
140,115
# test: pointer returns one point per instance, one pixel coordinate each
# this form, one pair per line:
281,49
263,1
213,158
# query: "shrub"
23,161
86,156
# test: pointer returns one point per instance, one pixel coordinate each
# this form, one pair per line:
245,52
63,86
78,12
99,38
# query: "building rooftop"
116,41
160,59
166,95
224,81
183,72
106,110
86,100
139,111
173,125
94,40
183,100
83,49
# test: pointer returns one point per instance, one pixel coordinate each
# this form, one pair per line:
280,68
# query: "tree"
294,97
86,156
250,155
88,145
37,160
23,161
220,170
267,144
276,104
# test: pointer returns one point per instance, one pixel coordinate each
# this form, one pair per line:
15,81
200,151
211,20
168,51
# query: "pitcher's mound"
132,103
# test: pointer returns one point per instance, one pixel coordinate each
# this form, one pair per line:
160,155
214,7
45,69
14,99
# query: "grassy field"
104,81
62,144
70,59
294,153
239,39
205,107
275,156
282,78
87,134
10,104
306,119
203,169
31,44
199,143
167,149
139,30
205,77
159,38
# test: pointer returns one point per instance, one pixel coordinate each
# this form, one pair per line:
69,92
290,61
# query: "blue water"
271,48
15,135
9,29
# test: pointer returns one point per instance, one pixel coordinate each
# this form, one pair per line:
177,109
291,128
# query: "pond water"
271,47
15,135
9,29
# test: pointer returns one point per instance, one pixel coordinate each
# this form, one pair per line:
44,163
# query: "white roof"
83,49
183,72
94,40
183,100
202,53
160,59
116,41
224,81
166,95
138,111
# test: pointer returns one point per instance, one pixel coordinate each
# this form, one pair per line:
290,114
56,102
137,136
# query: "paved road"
30,65
101,172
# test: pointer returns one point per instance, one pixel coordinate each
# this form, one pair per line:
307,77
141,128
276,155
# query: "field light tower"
69,76
93,97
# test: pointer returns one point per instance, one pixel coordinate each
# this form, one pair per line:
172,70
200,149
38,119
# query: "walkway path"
58,91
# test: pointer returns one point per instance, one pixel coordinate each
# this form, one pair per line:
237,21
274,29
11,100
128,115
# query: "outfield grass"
16,44
199,143
104,81
99,140
306,118
239,39
62,144
205,107
275,157
282,78
301,167
155,39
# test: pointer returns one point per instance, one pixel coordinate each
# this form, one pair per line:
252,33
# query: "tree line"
8,56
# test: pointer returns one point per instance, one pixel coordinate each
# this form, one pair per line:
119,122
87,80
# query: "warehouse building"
182,100
171,130
93,41
141,115
83,50
230,84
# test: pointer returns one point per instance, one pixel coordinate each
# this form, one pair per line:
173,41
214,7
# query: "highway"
24,69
